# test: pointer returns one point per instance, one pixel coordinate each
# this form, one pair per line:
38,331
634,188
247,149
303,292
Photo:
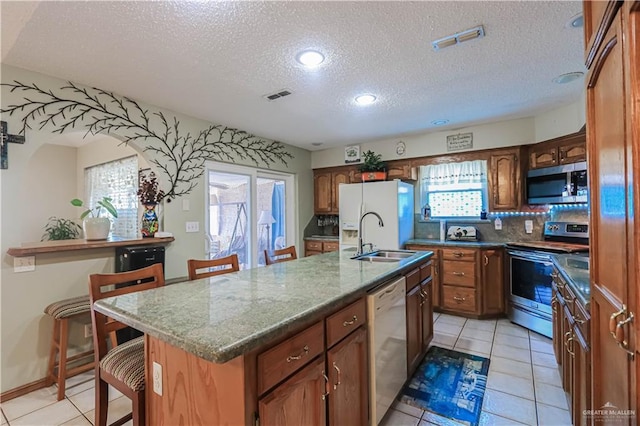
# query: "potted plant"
61,229
372,167
150,195
96,227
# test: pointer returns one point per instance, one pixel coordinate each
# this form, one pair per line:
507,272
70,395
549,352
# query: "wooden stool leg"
62,365
138,409
102,400
55,347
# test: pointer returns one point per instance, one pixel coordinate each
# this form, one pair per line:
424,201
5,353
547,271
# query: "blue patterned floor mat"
449,383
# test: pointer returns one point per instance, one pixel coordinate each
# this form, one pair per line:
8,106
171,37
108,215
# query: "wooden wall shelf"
31,249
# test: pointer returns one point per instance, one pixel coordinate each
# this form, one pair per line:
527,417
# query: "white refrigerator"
392,200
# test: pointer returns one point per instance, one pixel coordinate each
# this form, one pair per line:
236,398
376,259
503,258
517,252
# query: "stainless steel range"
530,271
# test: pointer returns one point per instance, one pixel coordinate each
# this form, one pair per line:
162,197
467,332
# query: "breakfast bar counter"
260,346
222,317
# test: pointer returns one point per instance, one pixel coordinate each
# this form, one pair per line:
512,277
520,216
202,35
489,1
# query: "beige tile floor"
523,385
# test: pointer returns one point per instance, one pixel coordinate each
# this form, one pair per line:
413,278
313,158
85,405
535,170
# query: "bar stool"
282,255
61,312
223,265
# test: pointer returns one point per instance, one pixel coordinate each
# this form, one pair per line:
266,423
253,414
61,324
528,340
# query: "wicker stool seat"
62,311
126,363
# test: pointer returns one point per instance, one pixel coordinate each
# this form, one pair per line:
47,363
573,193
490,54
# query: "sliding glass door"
249,211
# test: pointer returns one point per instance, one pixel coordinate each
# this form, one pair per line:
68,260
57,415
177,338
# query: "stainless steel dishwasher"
386,307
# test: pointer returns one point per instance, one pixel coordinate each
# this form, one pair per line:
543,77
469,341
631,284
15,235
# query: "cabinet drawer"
425,271
459,273
287,357
458,298
345,321
328,246
467,255
413,279
313,245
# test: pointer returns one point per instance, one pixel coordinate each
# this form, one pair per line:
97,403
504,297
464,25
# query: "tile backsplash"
513,226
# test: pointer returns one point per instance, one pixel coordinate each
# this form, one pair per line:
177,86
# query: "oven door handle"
530,256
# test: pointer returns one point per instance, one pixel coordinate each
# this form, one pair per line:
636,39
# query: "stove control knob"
556,227
549,228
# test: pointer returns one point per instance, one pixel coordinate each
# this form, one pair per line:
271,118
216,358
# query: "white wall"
41,180
557,122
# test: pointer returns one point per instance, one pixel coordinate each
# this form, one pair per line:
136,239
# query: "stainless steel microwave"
558,185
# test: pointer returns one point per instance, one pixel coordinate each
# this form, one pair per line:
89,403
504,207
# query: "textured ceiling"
216,61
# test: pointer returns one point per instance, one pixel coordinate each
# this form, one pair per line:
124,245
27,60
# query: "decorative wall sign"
5,139
352,154
460,141
179,156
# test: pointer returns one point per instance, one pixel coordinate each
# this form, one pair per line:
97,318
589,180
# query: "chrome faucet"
360,244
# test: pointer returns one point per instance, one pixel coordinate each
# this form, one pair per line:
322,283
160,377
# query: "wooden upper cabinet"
401,170
338,178
326,196
322,193
505,181
563,150
573,152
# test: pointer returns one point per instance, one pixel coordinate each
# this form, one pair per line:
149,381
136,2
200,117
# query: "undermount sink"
385,256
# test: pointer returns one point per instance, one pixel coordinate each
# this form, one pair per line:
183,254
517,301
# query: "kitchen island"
210,336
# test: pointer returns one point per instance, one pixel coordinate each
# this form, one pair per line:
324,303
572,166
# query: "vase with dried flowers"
150,196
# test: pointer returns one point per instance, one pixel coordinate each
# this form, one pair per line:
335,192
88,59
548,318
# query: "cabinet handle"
326,391
305,351
620,337
570,340
458,274
612,321
435,269
553,155
458,254
459,299
348,323
486,260
335,386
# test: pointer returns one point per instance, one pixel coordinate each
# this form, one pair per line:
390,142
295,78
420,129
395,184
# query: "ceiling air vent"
462,36
280,94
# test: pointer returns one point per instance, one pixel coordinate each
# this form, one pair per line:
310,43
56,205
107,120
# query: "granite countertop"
574,268
452,243
222,317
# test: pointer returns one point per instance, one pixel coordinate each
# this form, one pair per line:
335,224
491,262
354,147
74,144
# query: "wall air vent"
277,95
462,36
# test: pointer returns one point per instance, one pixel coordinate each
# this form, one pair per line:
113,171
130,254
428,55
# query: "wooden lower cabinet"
414,332
435,272
571,348
312,247
468,281
348,381
298,401
419,315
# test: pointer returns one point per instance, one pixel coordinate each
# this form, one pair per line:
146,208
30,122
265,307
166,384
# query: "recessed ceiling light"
366,99
576,21
439,122
568,77
310,58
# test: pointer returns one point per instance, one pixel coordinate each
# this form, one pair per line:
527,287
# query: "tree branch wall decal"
179,156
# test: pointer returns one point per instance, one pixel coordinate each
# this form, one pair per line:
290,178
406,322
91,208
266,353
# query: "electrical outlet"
157,378
88,331
528,226
193,227
24,264
497,224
